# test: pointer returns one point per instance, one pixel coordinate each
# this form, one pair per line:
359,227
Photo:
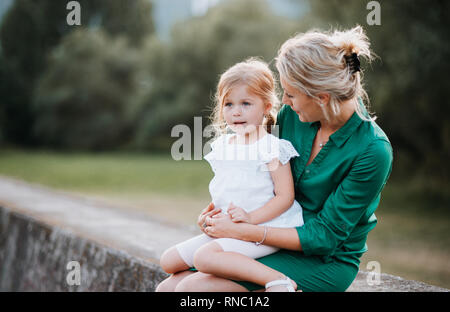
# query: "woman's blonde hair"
316,62
260,81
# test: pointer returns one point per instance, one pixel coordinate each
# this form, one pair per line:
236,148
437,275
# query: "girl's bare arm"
284,193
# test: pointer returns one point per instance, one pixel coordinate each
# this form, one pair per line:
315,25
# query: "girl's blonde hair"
258,78
315,62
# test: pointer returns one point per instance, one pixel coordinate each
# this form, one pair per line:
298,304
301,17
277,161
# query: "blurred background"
89,109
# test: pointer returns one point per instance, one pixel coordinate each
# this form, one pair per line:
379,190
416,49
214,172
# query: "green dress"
339,192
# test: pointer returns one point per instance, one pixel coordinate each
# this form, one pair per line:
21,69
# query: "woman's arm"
222,226
282,201
286,238
334,223
349,202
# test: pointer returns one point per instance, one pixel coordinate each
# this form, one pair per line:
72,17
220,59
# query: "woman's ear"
324,99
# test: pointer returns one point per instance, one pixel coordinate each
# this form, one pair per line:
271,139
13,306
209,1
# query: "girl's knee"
165,261
204,257
171,261
201,259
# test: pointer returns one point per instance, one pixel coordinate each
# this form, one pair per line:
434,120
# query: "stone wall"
34,257
42,231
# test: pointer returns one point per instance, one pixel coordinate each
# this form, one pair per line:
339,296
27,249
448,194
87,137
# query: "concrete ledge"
42,230
34,257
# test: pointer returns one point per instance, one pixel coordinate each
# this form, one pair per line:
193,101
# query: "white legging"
188,248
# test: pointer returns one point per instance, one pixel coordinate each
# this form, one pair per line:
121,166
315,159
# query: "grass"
410,240
105,173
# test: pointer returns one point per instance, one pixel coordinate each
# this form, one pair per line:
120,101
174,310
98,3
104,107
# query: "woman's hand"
209,211
238,214
220,225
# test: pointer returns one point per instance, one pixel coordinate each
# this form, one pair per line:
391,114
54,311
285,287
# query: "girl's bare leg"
202,282
170,283
171,261
212,259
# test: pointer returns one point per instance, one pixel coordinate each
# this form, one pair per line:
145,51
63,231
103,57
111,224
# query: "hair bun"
352,41
318,61
353,62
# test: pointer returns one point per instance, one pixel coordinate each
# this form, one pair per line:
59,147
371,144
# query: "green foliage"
82,99
128,18
406,83
31,29
183,72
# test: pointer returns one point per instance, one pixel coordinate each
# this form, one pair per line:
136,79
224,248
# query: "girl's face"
303,105
243,111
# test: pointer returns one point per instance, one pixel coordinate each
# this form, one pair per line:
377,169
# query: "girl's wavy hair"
315,62
260,81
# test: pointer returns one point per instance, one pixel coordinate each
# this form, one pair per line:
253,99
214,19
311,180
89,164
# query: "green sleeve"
343,209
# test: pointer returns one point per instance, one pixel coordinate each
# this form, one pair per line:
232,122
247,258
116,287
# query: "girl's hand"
238,214
209,211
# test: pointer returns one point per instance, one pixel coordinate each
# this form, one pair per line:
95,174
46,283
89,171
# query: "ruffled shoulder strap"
278,148
287,151
216,147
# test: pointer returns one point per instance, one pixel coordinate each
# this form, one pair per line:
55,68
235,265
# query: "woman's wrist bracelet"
264,237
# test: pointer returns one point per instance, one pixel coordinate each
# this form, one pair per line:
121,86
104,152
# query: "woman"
345,161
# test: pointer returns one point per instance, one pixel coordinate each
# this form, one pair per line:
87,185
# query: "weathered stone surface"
41,231
390,283
34,257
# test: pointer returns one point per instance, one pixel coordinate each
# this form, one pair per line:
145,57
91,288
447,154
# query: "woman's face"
305,107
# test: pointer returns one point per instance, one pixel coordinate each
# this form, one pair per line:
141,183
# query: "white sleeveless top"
242,177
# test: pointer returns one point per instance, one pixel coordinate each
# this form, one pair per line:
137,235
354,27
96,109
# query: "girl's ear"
267,108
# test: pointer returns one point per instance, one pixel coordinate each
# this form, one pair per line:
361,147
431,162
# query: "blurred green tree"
31,29
82,100
182,73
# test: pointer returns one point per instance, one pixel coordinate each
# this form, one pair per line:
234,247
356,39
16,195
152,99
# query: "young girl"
252,183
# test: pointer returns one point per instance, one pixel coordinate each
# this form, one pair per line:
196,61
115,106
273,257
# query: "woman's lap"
309,272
